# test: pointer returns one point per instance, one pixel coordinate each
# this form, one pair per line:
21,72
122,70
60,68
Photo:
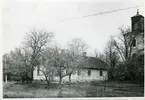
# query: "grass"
93,89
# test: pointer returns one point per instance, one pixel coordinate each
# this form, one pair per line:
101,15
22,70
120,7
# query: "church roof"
137,15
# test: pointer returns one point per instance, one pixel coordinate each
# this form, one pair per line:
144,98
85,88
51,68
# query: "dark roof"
94,63
137,15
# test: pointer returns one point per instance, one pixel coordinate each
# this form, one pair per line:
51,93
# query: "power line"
101,13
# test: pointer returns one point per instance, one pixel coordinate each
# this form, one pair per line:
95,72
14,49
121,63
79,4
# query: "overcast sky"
19,16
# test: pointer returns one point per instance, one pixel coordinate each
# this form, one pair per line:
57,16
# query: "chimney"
84,53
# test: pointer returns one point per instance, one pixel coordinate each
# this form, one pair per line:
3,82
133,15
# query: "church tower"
137,23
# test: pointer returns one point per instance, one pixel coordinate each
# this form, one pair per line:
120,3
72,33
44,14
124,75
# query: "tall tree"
46,64
67,60
76,48
99,55
111,58
36,41
124,43
60,63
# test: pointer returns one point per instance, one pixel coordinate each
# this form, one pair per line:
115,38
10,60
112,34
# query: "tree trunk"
69,80
48,82
31,75
60,76
60,80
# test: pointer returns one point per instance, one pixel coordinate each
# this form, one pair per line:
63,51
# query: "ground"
91,89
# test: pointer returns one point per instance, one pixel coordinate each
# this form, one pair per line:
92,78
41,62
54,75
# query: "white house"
94,70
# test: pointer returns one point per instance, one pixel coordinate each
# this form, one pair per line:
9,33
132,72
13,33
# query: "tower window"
89,72
134,43
101,73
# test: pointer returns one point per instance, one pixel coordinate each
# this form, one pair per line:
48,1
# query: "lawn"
92,89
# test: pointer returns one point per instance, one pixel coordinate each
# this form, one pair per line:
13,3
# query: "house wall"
38,77
95,75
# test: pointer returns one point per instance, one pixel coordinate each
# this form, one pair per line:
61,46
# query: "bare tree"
36,41
124,43
99,55
67,60
96,53
111,57
61,63
76,49
46,65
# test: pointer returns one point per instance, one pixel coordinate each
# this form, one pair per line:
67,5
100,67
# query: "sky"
20,16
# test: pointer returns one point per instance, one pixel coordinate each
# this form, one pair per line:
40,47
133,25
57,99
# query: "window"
134,43
79,72
89,72
38,70
101,73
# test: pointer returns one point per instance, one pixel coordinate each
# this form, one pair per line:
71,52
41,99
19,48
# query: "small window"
134,43
79,72
89,72
38,70
101,73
